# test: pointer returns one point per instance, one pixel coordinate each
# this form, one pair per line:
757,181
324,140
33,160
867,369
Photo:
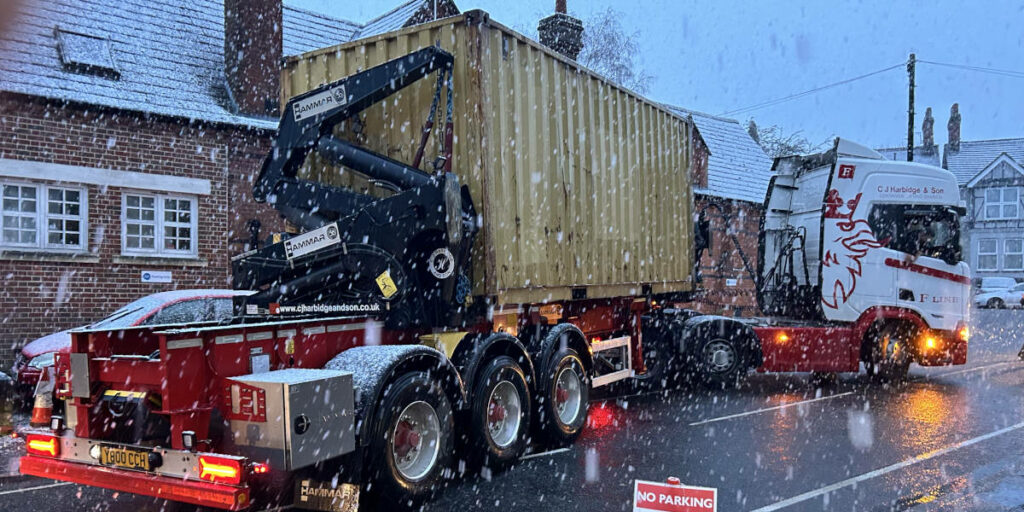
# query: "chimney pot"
954,127
560,6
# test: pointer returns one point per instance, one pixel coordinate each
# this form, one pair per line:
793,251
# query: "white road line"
968,370
541,454
888,469
36,488
777,407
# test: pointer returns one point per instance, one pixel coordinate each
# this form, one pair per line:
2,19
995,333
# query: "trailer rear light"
40,444
259,468
220,470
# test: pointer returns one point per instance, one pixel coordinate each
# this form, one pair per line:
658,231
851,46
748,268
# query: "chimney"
954,127
252,54
561,32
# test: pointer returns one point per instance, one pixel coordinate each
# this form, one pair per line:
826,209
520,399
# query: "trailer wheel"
412,441
562,403
721,360
501,412
889,358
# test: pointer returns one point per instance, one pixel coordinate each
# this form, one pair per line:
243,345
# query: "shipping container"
583,187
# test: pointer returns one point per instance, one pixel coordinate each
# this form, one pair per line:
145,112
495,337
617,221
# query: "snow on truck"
415,318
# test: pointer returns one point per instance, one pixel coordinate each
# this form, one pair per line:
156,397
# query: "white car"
1011,297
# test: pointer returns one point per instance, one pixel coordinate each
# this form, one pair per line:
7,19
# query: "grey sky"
724,55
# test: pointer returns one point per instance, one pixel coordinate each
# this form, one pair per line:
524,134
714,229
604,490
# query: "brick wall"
723,263
43,293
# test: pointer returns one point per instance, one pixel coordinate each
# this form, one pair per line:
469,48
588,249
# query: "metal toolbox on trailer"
292,418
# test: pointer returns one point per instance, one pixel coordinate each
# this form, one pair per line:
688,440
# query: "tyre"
412,442
889,355
500,412
995,303
721,360
660,361
563,398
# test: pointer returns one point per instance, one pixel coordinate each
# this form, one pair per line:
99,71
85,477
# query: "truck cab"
850,238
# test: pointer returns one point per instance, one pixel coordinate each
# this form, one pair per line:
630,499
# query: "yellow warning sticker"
386,284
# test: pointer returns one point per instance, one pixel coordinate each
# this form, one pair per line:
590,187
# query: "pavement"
950,438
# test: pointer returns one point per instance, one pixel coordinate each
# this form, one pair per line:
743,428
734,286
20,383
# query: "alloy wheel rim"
416,440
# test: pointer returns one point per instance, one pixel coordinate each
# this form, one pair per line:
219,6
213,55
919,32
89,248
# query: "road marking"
36,488
541,454
887,469
775,408
968,370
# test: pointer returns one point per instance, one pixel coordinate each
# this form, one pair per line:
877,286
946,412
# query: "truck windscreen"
931,231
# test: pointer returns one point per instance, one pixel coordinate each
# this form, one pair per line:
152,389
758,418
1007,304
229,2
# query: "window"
43,217
929,231
86,53
1001,203
196,310
987,255
158,225
1013,254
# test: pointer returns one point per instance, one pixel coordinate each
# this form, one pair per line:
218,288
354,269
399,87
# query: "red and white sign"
846,172
673,497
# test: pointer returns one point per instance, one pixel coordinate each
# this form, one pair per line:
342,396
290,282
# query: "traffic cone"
43,406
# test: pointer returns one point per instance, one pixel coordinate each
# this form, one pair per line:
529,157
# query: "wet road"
949,439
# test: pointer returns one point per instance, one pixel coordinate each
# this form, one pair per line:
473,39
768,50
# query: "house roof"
168,56
738,168
922,154
975,155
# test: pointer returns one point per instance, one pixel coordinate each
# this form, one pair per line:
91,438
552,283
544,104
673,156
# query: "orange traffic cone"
43,406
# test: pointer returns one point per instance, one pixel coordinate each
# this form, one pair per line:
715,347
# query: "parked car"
996,284
1012,297
173,307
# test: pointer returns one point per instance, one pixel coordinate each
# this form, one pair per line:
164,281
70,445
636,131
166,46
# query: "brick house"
731,195
130,133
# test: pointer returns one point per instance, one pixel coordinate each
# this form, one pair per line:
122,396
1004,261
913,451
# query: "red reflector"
260,468
39,444
220,470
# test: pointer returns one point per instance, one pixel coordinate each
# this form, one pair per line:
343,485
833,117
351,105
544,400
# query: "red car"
174,307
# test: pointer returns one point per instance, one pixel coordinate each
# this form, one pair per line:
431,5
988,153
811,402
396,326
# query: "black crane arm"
307,123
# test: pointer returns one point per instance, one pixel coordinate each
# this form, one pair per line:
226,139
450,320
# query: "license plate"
124,457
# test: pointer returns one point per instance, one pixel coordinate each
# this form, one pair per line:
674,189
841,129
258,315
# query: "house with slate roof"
731,195
131,134
991,178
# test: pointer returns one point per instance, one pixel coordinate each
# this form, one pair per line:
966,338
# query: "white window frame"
1002,203
158,202
1007,253
42,217
995,253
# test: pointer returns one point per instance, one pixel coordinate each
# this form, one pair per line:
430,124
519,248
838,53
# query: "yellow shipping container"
583,187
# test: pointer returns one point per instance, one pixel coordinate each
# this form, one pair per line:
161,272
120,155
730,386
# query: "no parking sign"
672,496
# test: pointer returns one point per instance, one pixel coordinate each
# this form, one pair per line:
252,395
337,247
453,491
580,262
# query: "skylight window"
86,53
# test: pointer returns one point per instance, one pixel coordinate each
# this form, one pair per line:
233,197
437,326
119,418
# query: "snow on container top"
583,187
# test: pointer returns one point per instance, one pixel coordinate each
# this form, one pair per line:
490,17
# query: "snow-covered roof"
738,168
306,30
975,155
922,154
167,55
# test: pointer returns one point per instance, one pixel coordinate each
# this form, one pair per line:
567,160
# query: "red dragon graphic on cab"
840,270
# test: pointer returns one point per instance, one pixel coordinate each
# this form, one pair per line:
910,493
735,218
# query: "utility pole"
910,109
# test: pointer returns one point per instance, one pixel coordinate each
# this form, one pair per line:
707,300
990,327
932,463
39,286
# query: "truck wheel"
412,441
721,361
562,405
889,357
660,362
501,412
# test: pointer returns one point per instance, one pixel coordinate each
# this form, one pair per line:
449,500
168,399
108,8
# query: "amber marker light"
782,338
